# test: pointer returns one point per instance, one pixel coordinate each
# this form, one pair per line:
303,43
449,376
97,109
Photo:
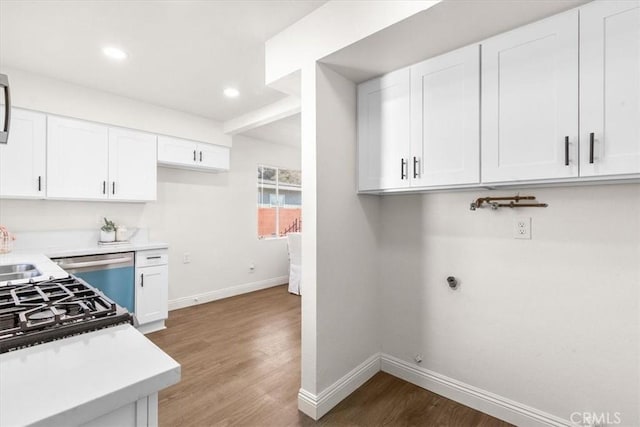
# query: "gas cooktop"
35,313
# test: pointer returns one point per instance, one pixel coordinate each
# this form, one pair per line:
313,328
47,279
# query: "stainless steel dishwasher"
113,274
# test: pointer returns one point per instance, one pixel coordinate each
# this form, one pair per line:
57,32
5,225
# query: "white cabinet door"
445,119
77,159
213,156
610,88
152,285
23,159
175,151
530,102
383,131
132,165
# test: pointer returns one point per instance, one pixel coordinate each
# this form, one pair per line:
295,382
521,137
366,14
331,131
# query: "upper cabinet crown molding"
186,154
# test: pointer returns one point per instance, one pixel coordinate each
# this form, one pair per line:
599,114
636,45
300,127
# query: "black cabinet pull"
415,168
113,188
402,163
591,143
566,151
154,257
39,183
4,133
194,155
201,156
141,280
104,187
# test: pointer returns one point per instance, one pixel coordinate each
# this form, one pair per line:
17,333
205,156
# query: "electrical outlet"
186,258
522,228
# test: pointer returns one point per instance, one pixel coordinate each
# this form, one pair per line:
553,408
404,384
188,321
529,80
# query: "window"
279,201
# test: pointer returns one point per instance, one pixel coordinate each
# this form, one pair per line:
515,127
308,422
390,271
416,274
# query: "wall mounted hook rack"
500,202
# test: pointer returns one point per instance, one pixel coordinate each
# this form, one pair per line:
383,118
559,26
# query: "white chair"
294,243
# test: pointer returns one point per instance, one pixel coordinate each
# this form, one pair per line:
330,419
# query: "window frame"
277,206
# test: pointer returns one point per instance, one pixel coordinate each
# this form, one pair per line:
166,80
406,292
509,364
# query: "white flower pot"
107,236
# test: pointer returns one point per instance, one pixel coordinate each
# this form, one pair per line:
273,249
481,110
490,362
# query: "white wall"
339,292
211,216
347,297
36,92
552,322
329,28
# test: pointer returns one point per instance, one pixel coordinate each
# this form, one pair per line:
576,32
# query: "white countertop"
68,251
71,381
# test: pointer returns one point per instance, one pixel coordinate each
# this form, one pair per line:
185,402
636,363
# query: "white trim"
226,292
316,406
484,401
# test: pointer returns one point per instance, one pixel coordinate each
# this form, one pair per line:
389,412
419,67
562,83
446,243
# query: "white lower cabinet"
152,287
610,88
185,154
23,161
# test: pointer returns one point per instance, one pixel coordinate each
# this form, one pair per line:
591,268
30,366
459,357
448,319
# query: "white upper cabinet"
77,159
610,88
185,154
132,165
23,159
530,102
445,119
90,161
213,156
383,132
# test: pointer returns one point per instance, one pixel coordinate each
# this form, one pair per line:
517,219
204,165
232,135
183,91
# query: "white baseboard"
226,292
316,406
484,401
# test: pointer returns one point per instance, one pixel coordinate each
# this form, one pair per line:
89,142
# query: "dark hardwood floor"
240,362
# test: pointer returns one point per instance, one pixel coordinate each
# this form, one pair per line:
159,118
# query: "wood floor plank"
240,362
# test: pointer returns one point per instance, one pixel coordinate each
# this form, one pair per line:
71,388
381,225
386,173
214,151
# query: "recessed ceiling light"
231,92
115,53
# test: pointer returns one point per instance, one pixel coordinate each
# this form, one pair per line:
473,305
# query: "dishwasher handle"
97,263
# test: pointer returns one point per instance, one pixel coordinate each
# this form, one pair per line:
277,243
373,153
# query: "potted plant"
108,231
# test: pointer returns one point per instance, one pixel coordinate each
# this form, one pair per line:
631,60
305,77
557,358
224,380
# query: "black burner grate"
39,312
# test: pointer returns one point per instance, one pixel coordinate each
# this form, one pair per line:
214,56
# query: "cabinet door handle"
113,188
39,183
591,144
201,156
141,280
154,257
416,164
402,163
104,187
194,155
566,151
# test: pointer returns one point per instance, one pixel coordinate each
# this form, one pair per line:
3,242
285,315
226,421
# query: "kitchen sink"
16,268
18,272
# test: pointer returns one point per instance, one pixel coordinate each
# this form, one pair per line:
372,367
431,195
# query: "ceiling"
182,54
444,27
284,131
